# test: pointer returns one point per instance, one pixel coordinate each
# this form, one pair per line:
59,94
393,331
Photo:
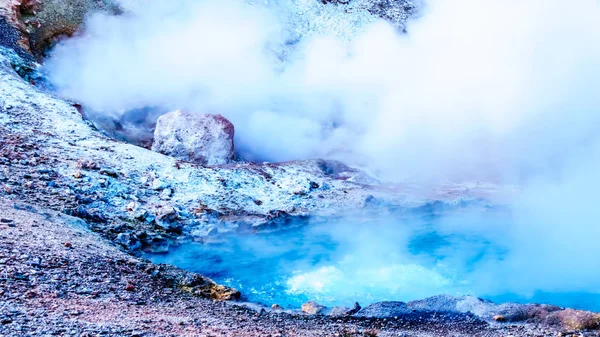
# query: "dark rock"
129,241
193,280
156,245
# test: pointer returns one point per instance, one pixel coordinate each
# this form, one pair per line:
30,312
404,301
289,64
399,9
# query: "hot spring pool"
345,261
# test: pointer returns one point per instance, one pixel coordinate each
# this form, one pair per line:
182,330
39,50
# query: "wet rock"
129,241
312,308
202,286
222,293
200,138
157,245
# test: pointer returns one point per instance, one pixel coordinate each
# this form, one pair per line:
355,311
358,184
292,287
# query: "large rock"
34,25
199,138
484,309
574,319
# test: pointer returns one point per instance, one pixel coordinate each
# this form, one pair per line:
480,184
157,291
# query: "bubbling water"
370,258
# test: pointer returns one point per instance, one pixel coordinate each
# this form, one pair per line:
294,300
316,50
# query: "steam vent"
398,168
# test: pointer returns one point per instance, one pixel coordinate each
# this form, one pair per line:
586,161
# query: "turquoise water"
343,261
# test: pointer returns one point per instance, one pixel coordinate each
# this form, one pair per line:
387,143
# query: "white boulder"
205,139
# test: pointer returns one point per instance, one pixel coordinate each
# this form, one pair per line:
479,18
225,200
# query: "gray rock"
484,309
345,311
204,139
384,310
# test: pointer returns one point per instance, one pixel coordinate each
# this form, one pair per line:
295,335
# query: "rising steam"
496,90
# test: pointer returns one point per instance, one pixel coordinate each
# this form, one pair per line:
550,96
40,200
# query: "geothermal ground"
80,211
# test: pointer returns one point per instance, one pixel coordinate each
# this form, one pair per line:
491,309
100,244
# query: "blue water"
365,260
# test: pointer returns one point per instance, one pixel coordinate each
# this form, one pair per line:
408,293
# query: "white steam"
495,90
476,89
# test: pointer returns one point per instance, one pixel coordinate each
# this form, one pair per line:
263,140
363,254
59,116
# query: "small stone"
499,318
78,174
131,206
68,245
276,307
158,184
130,287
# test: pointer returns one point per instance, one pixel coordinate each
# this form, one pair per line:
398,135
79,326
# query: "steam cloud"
494,90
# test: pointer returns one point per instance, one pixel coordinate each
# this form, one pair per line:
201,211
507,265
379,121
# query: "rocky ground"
57,278
69,265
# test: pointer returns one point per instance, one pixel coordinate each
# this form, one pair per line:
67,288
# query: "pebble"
158,184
